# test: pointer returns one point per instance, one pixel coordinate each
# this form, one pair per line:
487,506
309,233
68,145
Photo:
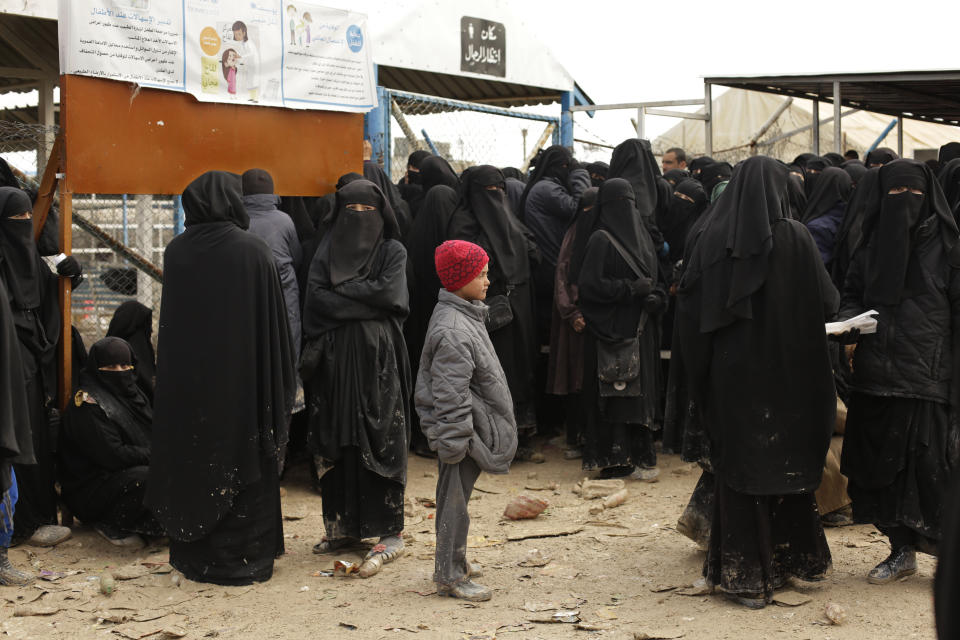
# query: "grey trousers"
454,486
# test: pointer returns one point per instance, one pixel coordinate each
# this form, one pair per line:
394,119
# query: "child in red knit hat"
465,408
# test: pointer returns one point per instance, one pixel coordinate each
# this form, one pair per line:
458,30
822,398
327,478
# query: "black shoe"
621,471
898,565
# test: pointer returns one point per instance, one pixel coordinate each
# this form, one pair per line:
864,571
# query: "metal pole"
179,216
900,136
430,144
708,123
566,119
45,118
143,214
641,125
816,127
837,131
769,123
126,232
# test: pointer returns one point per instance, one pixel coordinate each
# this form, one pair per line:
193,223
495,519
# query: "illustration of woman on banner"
248,76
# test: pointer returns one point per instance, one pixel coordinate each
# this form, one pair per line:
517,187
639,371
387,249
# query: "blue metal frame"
179,217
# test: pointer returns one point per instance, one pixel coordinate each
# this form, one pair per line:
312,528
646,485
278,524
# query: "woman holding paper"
750,314
901,441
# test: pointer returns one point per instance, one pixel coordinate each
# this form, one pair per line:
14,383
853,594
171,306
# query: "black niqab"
133,322
697,164
513,172
855,169
618,216
414,160
504,236
714,174
835,159
682,215
554,162
356,235
126,401
586,222
881,156
731,256
19,259
890,224
833,186
633,161
436,170
598,172
676,176
798,195
948,152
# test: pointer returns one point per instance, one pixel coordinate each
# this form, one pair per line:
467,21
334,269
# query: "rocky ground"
622,573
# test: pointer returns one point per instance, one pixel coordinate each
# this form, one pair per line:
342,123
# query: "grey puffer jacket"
462,397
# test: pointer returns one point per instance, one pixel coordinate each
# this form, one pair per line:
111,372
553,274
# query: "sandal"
327,545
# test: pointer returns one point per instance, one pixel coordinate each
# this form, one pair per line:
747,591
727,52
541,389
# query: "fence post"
376,128
179,217
143,213
566,119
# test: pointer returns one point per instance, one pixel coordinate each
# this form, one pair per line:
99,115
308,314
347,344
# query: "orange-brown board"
123,140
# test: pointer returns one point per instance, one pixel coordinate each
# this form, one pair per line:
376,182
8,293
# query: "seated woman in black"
105,447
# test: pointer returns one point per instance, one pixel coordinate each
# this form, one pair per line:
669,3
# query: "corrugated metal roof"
28,47
469,89
932,96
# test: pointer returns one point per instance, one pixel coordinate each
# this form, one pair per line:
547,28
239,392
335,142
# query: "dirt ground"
622,572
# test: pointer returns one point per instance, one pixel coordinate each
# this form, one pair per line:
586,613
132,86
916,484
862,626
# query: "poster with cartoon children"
228,47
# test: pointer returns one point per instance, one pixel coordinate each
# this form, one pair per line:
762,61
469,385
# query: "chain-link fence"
465,133
118,239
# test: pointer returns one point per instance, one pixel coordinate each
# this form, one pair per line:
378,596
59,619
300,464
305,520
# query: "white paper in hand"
866,322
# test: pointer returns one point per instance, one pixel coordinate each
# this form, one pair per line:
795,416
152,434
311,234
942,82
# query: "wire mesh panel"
464,133
25,147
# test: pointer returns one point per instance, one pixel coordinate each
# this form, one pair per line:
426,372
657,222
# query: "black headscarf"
850,235
833,186
697,164
798,195
601,169
415,160
855,169
554,162
401,211
633,161
124,402
802,159
7,178
585,222
835,159
617,215
215,197
890,223
714,174
811,174
436,170
676,176
881,156
133,322
225,367
682,215
502,234
513,172
948,152
950,181
355,236
19,259
731,255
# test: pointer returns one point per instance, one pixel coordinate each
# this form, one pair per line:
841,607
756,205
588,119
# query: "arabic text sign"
483,46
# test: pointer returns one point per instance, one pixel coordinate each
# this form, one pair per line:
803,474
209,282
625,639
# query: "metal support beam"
641,124
404,126
653,111
708,123
900,136
816,127
566,119
799,130
542,140
45,118
837,130
27,50
769,123
637,105
26,74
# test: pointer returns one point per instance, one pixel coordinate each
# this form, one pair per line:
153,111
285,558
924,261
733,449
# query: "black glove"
654,305
69,267
76,281
850,337
640,288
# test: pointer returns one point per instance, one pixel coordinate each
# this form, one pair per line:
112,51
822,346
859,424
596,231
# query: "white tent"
738,115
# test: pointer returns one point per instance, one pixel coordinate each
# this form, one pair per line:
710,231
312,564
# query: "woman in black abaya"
823,214
225,388
31,290
751,308
483,217
133,322
105,447
900,446
428,231
356,372
619,299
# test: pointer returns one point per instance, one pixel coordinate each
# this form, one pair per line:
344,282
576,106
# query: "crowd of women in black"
595,271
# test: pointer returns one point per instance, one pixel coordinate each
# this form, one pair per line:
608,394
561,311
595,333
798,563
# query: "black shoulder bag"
618,361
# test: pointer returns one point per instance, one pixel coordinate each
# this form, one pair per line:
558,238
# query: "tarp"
738,116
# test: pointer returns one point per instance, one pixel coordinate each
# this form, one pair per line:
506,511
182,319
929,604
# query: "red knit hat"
459,262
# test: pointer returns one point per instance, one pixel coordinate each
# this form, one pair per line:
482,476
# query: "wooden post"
64,299
48,186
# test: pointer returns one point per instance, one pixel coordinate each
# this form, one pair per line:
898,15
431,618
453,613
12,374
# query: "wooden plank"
128,140
48,186
65,349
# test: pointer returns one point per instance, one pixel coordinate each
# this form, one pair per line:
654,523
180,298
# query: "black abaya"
225,386
133,322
